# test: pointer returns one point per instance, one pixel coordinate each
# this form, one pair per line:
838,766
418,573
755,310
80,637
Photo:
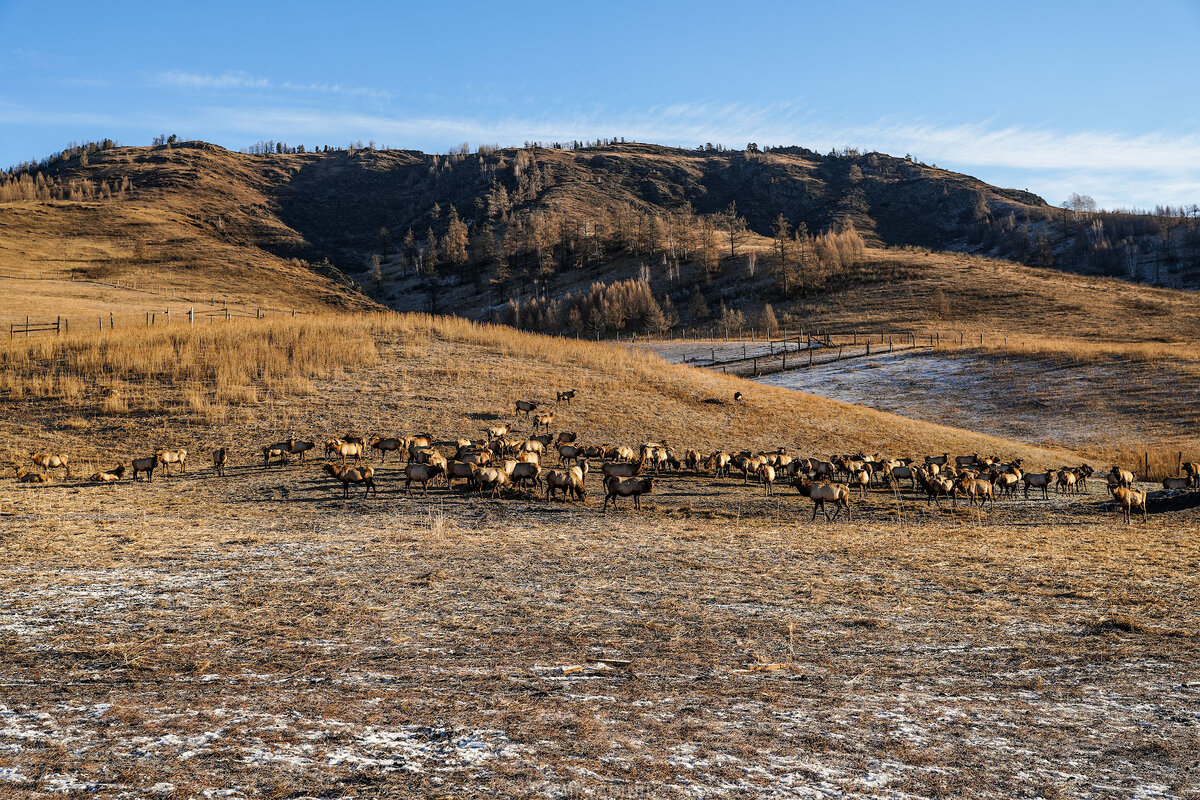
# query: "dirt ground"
259,636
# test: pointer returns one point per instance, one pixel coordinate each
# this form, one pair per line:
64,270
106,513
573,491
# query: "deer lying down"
109,477
25,476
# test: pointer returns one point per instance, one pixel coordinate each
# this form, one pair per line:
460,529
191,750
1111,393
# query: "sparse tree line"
628,306
71,151
512,242
519,252
1123,243
36,186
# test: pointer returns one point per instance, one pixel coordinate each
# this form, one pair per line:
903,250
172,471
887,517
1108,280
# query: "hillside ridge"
471,231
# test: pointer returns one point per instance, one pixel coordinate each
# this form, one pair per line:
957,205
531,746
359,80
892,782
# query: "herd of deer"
502,461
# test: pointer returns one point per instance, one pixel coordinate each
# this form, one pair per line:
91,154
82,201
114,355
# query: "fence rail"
790,350
60,325
814,356
195,297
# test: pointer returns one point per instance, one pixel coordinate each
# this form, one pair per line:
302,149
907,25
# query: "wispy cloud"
1169,162
234,81
19,115
1038,148
226,80
1115,167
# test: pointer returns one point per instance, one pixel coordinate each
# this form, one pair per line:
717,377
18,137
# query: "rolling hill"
504,233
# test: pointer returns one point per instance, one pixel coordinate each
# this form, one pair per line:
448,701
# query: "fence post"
192,316
868,345
66,325
58,326
756,367
810,356
110,320
168,313
101,321
1146,461
744,354
839,352
27,327
227,313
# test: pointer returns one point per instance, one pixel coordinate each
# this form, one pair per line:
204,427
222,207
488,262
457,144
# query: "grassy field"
158,246
258,636
958,293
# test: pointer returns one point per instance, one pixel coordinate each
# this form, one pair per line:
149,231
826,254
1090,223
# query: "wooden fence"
60,325
782,350
801,353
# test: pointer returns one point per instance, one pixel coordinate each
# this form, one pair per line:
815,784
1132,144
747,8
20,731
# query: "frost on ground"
1043,401
1033,400
364,652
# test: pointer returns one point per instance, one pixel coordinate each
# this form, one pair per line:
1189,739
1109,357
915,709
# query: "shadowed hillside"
503,233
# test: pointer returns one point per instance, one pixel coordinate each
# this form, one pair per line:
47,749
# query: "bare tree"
734,226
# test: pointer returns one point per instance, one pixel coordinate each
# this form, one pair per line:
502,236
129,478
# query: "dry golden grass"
1078,350
161,251
202,369
955,292
460,373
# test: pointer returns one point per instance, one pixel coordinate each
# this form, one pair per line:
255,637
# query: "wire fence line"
201,307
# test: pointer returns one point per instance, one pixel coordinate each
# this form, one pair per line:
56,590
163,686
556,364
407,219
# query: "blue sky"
1093,97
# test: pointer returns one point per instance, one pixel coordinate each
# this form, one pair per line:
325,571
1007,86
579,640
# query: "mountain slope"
534,224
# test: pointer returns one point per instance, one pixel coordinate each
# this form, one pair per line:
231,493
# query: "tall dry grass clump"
197,369
202,371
